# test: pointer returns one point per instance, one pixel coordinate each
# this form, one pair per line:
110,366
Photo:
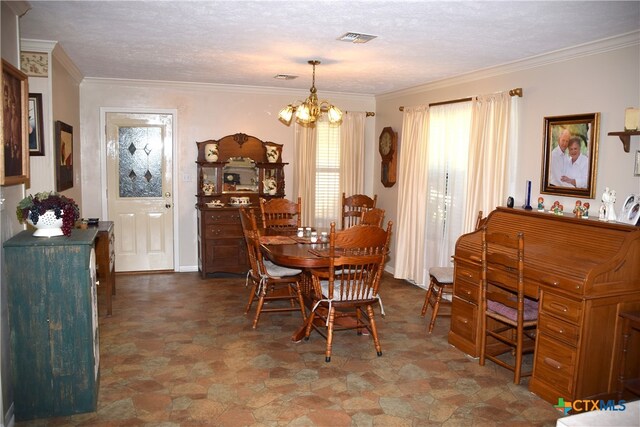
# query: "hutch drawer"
223,230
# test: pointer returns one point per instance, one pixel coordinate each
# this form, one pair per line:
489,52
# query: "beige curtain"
412,197
352,153
488,153
304,171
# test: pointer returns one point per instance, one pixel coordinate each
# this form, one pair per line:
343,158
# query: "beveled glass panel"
140,161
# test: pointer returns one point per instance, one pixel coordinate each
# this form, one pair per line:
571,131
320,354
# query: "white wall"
204,112
586,80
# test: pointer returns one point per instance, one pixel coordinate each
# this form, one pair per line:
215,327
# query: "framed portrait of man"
570,155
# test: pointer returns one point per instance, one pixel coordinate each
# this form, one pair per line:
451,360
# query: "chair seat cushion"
275,270
324,284
442,275
530,309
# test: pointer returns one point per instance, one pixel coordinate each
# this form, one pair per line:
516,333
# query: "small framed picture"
636,171
64,156
630,210
36,132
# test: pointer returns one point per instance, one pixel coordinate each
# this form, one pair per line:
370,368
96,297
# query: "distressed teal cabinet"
53,323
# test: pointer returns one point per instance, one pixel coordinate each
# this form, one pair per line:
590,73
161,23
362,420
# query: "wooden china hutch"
234,168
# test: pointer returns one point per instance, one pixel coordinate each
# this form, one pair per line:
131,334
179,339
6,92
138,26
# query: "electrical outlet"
187,177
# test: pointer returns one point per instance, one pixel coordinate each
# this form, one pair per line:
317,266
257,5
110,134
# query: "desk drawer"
464,319
466,291
561,307
468,272
559,282
555,365
558,329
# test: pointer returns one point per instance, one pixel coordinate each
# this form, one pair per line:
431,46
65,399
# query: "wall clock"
388,147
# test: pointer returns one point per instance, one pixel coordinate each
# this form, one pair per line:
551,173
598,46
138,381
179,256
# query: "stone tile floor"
179,351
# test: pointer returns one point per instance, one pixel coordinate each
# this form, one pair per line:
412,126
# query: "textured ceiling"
248,42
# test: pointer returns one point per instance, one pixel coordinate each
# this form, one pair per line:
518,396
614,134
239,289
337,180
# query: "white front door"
139,189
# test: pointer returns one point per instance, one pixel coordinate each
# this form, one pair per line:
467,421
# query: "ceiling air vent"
356,37
284,77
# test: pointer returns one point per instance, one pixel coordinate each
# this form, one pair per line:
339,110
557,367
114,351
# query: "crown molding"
32,45
60,54
18,7
217,87
587,49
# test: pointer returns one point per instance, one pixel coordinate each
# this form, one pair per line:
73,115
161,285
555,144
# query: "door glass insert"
140,161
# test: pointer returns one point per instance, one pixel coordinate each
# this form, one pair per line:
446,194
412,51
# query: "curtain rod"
513,92
369,114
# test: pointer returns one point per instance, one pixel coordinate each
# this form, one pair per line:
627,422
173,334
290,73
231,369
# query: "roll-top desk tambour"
584,272
53,323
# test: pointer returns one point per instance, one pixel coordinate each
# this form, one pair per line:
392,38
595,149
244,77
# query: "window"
449,133
328,197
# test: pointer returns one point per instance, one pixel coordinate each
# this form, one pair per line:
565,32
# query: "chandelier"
309,111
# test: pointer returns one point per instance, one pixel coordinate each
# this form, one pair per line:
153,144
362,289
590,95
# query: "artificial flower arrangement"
31,207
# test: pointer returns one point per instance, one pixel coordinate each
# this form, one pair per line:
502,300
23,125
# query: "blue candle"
527,202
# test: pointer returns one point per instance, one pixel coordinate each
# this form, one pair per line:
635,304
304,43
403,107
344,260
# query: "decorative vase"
272,154
211,152
48,225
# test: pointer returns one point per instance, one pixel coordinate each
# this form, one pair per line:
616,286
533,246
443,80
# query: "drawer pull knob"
467,291
559,307
467,274
475,258
550,282
553,363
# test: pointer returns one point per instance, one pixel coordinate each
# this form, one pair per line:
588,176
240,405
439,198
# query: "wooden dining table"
294,252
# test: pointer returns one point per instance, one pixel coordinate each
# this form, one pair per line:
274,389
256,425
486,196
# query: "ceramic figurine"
585,208
577,211
540,204
611,212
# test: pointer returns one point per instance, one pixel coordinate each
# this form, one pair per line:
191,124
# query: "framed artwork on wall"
64,156
36,132
14,156
570,155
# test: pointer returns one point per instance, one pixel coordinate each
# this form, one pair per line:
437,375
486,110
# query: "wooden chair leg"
426,299
258,311
483,337
252,296
436,306
309,325
374,331
332,315
301,302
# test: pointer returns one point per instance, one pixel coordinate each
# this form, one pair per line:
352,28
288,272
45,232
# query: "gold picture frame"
14,156
570,155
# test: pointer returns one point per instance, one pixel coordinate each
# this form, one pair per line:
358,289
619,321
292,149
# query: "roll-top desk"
584,273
